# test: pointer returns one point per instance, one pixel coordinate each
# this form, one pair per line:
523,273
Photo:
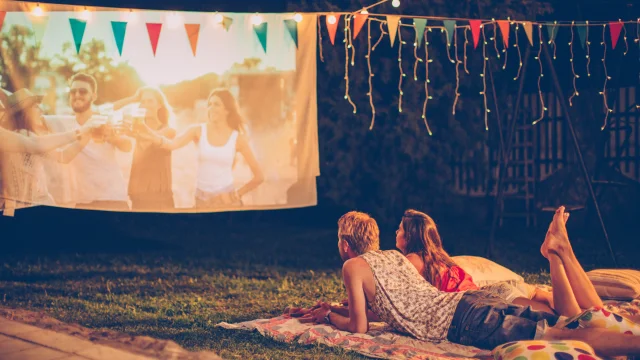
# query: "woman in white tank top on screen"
218,141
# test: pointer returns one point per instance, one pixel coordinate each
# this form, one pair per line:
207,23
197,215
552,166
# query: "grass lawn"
200,274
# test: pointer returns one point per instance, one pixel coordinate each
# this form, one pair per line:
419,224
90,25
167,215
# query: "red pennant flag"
2,16
360,20
154,35
332,27
475,31
193,31
614,29
504,28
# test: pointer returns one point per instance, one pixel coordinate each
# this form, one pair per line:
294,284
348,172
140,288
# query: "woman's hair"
19,121
234,120
164,111
422,238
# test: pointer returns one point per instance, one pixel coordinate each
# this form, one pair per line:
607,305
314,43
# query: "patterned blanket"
380,342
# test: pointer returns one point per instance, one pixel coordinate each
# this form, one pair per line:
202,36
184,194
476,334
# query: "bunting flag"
193,32
332,28
614,29
39,26
392,24
552,31
292,27
154,35
226,23
450,25
582,33
420,25
475,31
528,29
2,16
77,29
504,29
119,30
261,32
359,20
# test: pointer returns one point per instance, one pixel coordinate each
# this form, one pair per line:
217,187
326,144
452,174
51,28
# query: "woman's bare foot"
557,239
553,227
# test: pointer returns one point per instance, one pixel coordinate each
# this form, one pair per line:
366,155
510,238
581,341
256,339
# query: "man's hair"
360,231
87,79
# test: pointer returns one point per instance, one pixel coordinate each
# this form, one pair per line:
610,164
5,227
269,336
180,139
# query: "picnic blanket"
380,342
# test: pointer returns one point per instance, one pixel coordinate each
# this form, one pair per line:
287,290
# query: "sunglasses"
80,91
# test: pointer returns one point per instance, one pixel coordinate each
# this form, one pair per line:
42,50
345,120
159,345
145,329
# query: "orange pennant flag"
504,28
193,31
360,20
528,29
392,25
475,31
332,28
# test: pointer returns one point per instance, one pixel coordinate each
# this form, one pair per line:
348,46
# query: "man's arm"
121,143
69,152
357,321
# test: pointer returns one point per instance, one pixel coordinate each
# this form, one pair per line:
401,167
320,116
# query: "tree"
20,61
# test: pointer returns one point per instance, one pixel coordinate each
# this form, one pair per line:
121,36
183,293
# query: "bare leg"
563,294
558,241
604,342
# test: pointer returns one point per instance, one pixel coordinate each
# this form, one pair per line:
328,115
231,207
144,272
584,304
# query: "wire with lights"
484,78
606,78
466,43
427,97
517,46
402,74
552,41
458,62
539,58
588,45
415,55
626,44
505,48
368,57
573,69
494,38
347,29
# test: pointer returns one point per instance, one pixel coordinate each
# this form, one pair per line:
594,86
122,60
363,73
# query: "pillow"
616,284
486,272
603,319
545,350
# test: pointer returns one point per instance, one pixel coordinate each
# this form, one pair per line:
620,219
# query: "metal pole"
576,145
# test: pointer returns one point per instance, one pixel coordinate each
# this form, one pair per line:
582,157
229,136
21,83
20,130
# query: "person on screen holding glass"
99,183
150,182
219,140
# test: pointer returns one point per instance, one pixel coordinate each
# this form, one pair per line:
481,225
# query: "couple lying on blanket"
390,287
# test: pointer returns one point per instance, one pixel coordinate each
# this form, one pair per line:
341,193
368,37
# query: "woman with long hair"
150,182
219,140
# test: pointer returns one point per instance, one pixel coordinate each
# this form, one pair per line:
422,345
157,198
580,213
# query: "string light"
588,51
320,40
85,15
626,45
573,71
443,30
174,20
455,45
495,37
395,3
553,39
415,55
606,78
402,74
505,48
382,34
347,29
484,79
544,109
297,17
132,17
256,19
331,19
37,11
519,53
427,97
370,93
466,42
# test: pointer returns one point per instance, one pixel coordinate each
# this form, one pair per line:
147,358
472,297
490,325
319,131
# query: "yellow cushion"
545,350
618,284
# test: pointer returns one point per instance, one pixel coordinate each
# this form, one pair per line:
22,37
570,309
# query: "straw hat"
19,100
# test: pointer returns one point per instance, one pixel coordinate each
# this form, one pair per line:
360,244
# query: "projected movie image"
171,111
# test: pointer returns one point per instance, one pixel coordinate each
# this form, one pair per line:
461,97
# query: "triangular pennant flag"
154,35
193,31
332,28
552,31
2,16
450,25
261,32
392,25
582,33
504,28
614,29
119,30
359,20
419,24
475,31
528,29
77,29
39,25
226,22
292,26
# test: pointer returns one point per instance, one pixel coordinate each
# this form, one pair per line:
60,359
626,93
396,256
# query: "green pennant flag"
261,32
292,26
552,31
450,25
39,26
77,29
419,25
582,33
226,23
119,30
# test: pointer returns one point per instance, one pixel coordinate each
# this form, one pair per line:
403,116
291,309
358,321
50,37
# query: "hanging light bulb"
256,19
85,15
297,17
174,20
218,18
395,3
37,11
364,12
131,17
331,19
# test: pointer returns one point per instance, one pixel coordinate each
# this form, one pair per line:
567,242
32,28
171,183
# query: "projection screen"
159,111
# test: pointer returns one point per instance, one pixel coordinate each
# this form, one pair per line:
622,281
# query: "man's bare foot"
557,239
